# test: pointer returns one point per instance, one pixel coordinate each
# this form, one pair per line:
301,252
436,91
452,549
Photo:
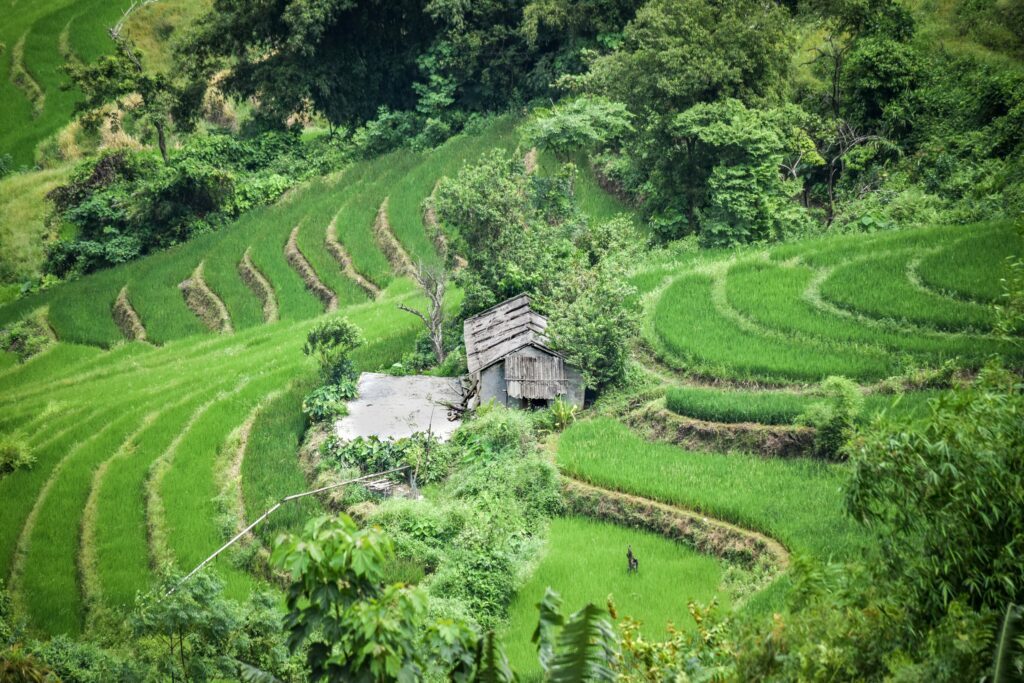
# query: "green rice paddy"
585,562
779,407
798,502
866,307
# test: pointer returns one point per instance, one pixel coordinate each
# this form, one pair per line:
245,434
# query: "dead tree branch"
432,281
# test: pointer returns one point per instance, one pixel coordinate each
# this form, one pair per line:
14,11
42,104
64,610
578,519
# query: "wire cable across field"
278,504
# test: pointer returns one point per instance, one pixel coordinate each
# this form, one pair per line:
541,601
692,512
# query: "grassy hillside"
23,209
129,440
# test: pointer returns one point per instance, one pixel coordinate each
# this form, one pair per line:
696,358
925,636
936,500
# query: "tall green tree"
582,124
342,58
676,53
163,101
514,227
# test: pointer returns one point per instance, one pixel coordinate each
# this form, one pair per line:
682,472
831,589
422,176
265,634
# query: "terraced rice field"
867,307
778,407
37,39
129,443
154,452
798,502
80,311
149,453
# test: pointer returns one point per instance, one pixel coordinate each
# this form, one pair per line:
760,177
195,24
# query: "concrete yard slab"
395,407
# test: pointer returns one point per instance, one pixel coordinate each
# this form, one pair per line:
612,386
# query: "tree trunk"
161,141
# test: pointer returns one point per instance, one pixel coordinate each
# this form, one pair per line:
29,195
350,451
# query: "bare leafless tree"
833,55
433,281
846,138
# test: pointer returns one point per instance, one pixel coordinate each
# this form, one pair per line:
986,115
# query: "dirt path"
260,286
657,423
530,161
206,305
336,250
302,266
400,262
433,229
126,318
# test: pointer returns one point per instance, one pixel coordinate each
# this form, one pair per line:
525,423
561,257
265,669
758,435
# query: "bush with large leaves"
947,496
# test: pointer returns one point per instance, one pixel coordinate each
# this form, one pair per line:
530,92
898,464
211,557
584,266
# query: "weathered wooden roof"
501,331
533,377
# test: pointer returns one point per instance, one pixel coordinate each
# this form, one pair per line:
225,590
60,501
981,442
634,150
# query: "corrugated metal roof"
535,377
502,330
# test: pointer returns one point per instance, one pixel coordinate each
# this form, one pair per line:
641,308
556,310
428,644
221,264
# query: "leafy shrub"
476,534
389,131
358,627
198,634
331,342
582,124
430,459
84,662
14,454
454,364
368,454
955,481
833,418
495,431
328,401
126,204
559,415
593,319
27,337
851,624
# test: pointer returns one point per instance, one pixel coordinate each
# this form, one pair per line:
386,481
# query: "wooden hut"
510,361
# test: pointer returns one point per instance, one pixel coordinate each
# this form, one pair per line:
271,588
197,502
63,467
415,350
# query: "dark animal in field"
633,564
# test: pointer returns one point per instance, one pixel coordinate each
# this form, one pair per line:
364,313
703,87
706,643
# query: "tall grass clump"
22,221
